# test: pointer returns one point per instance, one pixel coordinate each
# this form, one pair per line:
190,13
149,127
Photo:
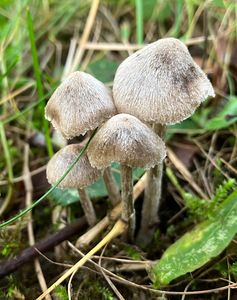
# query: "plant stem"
113,191
128,215
152,197
87,207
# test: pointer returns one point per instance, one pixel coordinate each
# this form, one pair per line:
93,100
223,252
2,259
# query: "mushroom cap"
80,176
125,139
81,103
160,83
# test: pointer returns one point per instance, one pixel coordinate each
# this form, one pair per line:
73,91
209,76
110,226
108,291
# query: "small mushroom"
80,104
81,175
126,140
159,84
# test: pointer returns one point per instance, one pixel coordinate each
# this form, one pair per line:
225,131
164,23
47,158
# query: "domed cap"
160,83
81,103
125,139
81,175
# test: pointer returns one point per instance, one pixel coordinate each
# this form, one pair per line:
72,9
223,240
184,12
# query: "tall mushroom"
126,140
81,175
80,104
159,84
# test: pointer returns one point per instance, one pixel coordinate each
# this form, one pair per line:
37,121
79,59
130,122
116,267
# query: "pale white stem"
87,207
113,191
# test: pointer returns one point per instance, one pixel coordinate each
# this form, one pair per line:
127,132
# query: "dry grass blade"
85,36
185,173
29,191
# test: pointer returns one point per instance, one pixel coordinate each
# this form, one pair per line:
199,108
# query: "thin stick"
133,47
92,233
118,228
44,245
107,278
87,207
29,191
113,191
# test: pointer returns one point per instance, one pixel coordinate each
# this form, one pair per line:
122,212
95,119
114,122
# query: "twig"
113,287
21,178
43,246
127,47
29,191
91,234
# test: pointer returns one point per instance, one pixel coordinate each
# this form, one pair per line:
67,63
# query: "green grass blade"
39,83
7,155
52,188
139,21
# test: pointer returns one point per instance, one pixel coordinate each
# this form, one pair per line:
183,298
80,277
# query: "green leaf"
221,120
103,69
197,247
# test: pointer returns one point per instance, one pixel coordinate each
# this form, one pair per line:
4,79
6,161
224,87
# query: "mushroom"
159,84
81,175
126,140
80,104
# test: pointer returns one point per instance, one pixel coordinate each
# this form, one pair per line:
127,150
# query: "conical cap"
160,83
81,175
81,103
126,140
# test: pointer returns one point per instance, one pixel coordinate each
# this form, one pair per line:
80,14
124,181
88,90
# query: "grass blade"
139,21
39,83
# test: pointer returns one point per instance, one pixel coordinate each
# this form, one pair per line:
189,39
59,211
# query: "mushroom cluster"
154,87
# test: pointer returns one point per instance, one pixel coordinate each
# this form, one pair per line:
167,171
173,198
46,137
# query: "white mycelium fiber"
127,140
81,103
160,83
81,175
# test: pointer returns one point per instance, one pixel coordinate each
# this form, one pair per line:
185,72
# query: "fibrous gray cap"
127,140
81,103
160,83
81,175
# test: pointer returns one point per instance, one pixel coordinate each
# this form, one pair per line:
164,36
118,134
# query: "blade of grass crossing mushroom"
52,188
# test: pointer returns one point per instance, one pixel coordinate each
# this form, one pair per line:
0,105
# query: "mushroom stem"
113,191
152,197
128,215
87,207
